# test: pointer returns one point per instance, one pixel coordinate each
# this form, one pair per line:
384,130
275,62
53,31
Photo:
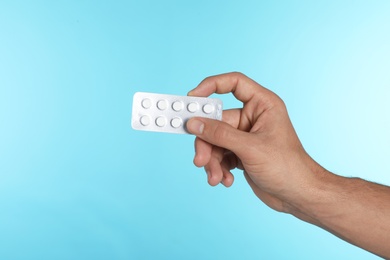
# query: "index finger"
242,87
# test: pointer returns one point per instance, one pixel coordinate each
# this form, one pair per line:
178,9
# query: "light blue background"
76,182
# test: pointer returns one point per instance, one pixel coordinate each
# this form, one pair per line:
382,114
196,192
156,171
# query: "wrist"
311,192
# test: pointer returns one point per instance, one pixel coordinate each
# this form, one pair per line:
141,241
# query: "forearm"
353,209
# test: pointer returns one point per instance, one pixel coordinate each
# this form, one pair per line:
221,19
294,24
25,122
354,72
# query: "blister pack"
169,113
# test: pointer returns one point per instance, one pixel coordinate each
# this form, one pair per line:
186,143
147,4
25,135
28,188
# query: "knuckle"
276,102
237,75
279,103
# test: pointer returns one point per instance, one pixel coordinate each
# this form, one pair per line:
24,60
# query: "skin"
260,139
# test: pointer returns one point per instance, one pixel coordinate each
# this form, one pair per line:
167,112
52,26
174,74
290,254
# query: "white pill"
208,108
146,103
161,121
162,104
176,122
145,120
177,106
193,107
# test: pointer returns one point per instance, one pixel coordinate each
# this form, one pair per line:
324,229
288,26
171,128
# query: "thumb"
219,133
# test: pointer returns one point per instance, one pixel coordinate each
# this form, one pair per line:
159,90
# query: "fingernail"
195,126
190,93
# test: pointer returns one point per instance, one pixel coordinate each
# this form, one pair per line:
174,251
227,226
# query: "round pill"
161,121
145,120
208,108
162,104
176,122
146,103
192,107
177,106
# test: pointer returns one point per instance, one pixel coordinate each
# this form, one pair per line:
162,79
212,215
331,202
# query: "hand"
257,138
260,139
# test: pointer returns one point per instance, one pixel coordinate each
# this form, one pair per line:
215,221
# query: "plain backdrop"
76,182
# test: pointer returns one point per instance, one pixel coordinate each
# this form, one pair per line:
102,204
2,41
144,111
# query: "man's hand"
257,138
260,139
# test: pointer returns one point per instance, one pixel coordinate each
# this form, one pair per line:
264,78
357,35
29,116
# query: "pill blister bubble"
145,120
193,107
146,103
177,106
162,104
161,121
176,122
208,108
